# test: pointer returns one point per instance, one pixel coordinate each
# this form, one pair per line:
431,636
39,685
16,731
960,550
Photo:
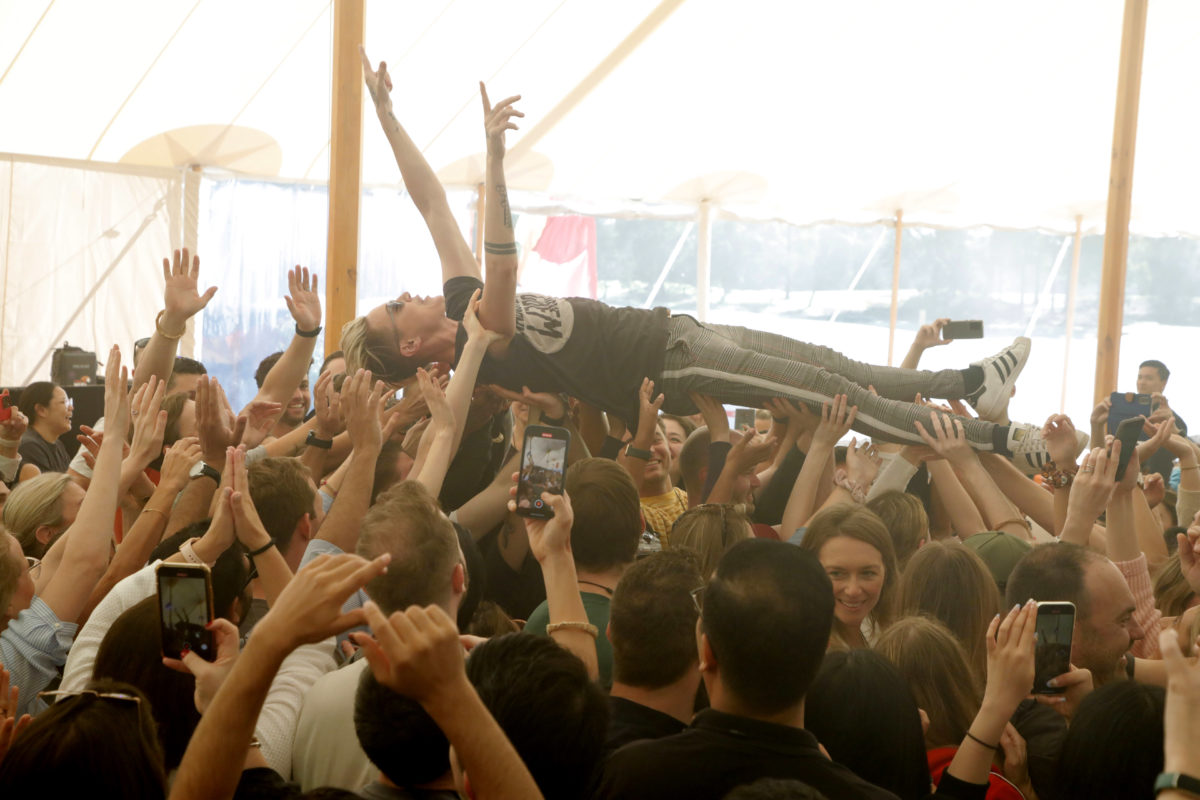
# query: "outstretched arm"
419,178
181,301
291,369
496,311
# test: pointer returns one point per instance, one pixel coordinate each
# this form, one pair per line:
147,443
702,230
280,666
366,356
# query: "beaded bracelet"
586,627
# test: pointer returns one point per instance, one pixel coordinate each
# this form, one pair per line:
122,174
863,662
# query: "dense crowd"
952,604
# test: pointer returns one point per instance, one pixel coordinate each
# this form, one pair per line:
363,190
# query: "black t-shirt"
46,456
583,347
721,751
631,722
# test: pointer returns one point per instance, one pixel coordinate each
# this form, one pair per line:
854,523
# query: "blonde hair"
709,530
34,503
935,667
858,522
906,521
949,581
1172,593
364,349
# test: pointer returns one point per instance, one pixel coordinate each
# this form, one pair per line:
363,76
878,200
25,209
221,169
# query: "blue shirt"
32,648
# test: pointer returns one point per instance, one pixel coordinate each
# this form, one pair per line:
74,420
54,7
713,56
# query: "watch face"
197,470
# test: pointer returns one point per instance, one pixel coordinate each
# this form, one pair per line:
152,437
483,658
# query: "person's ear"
608,631
708,659
410,347
44,534
458,579
304,528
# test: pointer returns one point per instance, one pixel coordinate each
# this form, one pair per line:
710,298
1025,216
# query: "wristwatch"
1176,780
312,440
202,470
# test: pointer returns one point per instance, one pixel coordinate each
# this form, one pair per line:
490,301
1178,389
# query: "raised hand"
836,420
1010,657
949,440
715,418
931,335
302,299
1181,718
549,537
1076,685
360,403
1160,433
149,422
10,725
379,83
1099,417
472,325
549,403
1059,433
310,608
116,396
214,421
648,406
1189,554
862,462
247,525
178,463
751,450
435,399
15,426
257,419
497,120
1094,484
415,652
181,299
327,407
210,675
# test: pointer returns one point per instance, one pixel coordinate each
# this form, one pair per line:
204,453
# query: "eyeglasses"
35,566
698,599
120,697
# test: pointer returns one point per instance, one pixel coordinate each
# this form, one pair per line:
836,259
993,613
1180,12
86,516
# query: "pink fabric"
1148,618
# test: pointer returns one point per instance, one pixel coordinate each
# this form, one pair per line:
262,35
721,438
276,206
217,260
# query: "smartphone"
743,418
1126,405
185,607
5,406
1128,433
543,467
963,329
1052,654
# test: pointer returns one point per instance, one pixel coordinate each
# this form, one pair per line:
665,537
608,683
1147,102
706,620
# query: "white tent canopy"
959,113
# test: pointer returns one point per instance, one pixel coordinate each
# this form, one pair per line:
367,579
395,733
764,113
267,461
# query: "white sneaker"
999,376
1028,451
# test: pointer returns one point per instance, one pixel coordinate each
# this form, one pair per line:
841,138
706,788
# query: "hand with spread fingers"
498,119
210,675
303,299
836,421
181,297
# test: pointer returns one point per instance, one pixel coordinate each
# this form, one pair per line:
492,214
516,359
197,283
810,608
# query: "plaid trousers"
746,367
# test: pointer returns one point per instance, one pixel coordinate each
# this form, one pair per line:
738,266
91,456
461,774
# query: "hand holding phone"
543,469
1128,433
5,406
1055,631
185,608
963,329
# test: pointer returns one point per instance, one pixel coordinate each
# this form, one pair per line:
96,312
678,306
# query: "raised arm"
85,556
291,369
836,420
360,403
419,178
181,301
497,311
927,336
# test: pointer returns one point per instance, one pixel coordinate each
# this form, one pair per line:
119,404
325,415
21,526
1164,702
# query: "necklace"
597,585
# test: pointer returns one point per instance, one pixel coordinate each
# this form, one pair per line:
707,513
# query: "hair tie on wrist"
975,738
308,334
270,543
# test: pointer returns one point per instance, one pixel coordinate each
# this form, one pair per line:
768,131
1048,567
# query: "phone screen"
543,466
184,608
1055,625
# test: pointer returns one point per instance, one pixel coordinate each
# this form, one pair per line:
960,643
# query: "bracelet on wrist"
981,742
1058,478
253,553
313,440
854,488
158,327
637,452
571,625
1177,780
10,442
314,333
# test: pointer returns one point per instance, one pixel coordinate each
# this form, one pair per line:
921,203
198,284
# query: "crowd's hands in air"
497,119
182,299
11,725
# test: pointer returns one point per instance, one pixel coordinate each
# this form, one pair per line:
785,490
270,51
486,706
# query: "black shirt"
721,751
583,347
631,722
46,456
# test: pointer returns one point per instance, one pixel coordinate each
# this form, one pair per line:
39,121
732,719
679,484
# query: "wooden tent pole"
1071,293
1120,190
703,259
345,170
895,286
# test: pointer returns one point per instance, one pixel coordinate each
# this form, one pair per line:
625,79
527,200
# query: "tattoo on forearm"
500,249
502,193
